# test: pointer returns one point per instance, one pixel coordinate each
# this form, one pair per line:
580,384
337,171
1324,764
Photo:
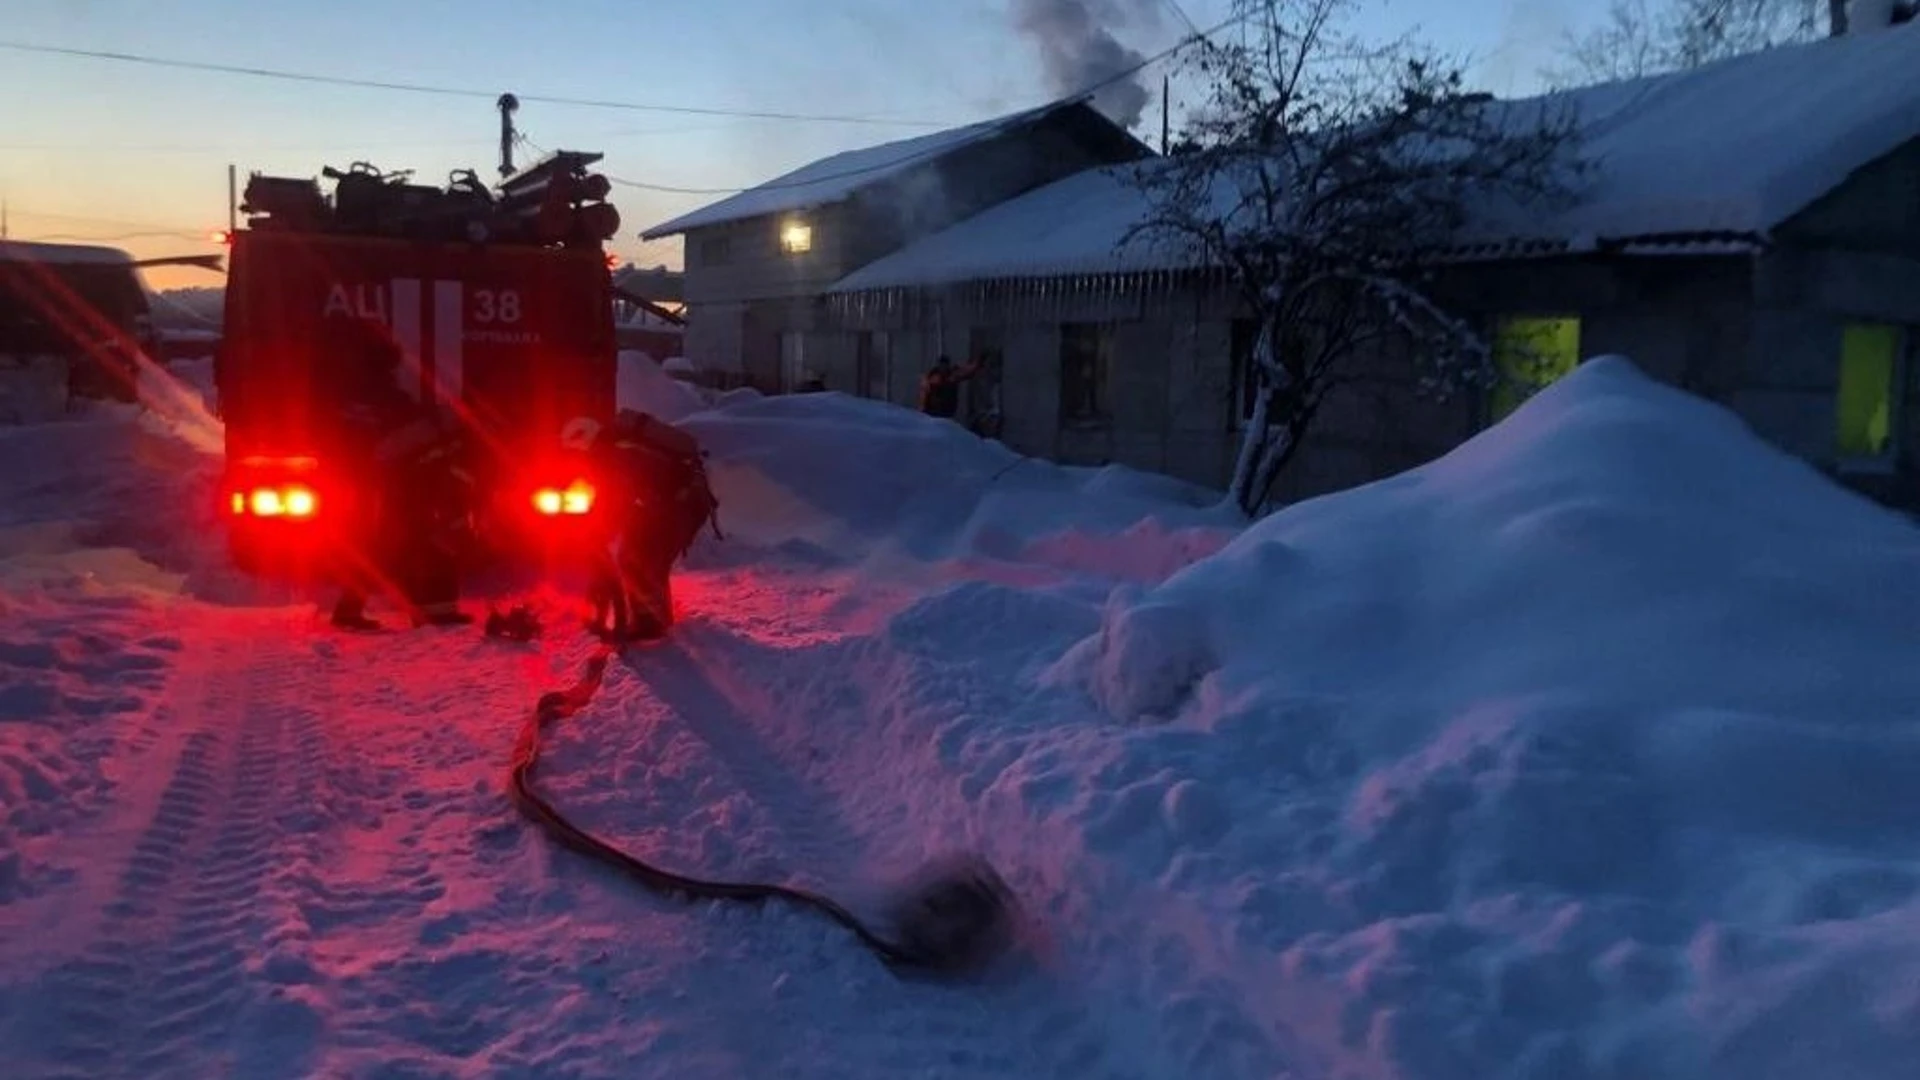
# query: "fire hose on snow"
957,920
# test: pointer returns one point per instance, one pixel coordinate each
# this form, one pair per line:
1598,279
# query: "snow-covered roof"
1071,226
1741,145
1694,157
27,251
837,178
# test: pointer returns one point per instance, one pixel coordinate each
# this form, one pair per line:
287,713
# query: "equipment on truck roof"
555,201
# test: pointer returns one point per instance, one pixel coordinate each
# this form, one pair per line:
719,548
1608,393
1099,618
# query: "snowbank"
866,479
1589,747
1584,752
645,386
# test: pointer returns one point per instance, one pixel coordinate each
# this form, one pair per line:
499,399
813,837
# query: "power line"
454,91
1181,13
1127,73
79,219
156,148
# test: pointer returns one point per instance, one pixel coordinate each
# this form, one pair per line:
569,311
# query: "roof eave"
679,225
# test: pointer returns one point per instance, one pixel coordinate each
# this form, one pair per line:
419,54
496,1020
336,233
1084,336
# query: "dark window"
1245,333
1246,373
986,346
1086,368
873,364
715,250
793,360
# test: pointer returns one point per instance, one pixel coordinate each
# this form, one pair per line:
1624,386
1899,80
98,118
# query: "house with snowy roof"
1750,232
758,263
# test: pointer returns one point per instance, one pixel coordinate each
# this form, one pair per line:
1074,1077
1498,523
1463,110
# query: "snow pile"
1586,750
850,478
642,384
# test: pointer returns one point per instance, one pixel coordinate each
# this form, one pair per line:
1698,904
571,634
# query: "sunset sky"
136,154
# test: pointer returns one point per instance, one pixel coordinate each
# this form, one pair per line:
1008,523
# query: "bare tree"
1325,176
1649,37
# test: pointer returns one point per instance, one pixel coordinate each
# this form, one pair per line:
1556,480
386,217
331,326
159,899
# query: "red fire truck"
495,305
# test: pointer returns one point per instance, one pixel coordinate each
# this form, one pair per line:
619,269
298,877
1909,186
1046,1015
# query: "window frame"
1103,339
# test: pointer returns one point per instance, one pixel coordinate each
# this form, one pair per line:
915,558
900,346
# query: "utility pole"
508,105
233,199
1164,83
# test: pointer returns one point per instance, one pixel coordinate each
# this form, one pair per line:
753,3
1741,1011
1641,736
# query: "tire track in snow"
164,976
79,1007
86,1001
214,996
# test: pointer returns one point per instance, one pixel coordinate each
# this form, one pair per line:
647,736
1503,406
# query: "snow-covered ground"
1586,751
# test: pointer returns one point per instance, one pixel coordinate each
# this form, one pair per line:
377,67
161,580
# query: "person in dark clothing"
429,515
413,524
940,387
414,496
656,500
373,406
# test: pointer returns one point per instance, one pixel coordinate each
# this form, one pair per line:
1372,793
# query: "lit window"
1864,405
1531,353
796,237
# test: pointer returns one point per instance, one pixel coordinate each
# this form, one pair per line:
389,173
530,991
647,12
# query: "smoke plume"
1078,49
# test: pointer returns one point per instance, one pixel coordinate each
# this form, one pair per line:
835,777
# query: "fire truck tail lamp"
574,500
285,501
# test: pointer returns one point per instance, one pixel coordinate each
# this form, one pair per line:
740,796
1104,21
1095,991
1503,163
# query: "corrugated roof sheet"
27,251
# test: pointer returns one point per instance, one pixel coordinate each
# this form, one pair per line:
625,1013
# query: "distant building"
73,318
1753,236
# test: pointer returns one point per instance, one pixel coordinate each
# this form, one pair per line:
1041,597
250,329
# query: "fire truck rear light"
292,501
575,500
